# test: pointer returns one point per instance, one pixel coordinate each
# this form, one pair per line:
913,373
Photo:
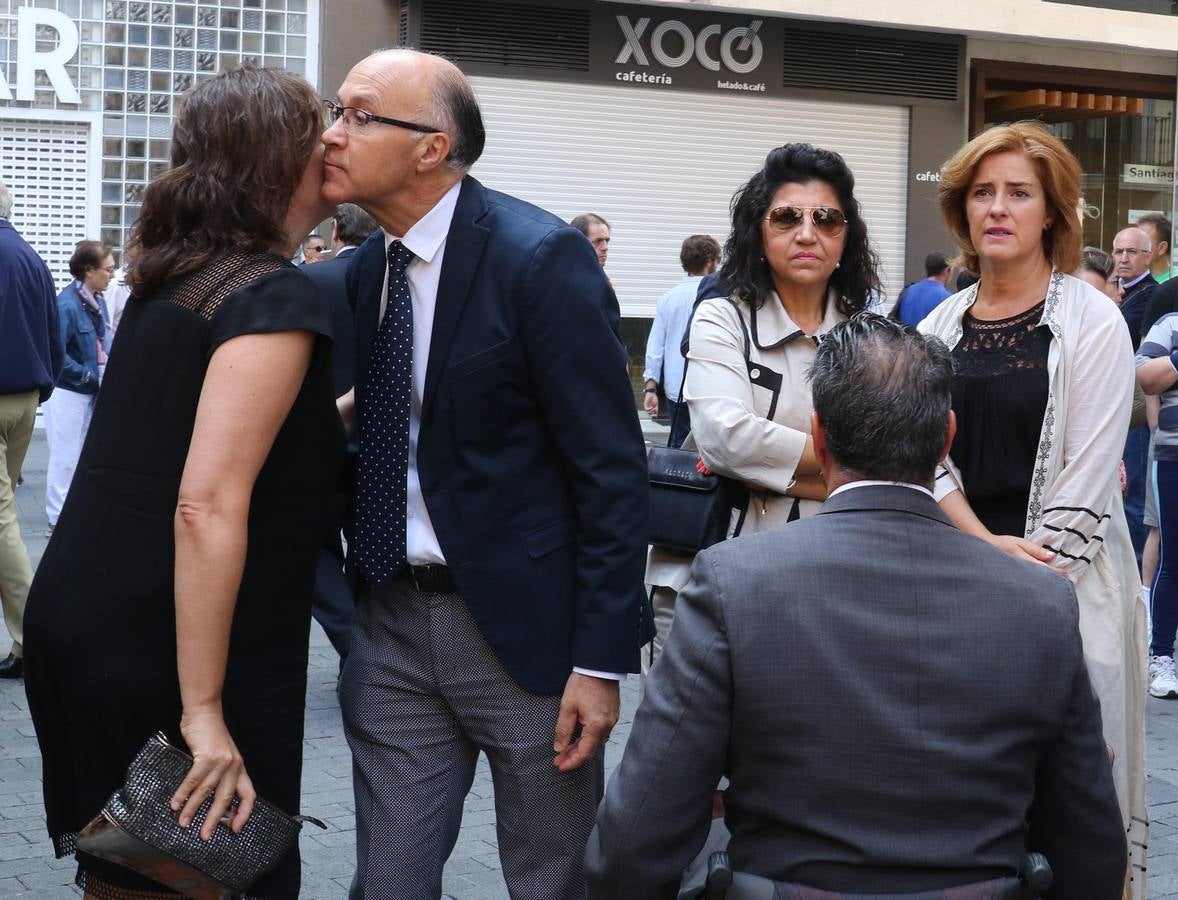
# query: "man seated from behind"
898,706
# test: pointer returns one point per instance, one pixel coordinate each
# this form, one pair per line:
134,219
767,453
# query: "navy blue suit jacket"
31,348
531,459
331,278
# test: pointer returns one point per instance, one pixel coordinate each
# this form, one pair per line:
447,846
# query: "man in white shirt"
699,256
499,542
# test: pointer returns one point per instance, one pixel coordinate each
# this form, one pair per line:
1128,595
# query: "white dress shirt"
869,483
427,240
1125,285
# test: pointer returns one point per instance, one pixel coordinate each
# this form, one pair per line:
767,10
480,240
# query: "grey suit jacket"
898,706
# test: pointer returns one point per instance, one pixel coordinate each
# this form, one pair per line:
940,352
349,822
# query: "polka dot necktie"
384,432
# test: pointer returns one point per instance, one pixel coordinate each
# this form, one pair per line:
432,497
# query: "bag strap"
687,361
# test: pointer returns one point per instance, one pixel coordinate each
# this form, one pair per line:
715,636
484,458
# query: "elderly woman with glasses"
1042,394
85,332
797,263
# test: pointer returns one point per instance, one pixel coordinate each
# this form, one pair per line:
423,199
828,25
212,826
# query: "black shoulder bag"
688,510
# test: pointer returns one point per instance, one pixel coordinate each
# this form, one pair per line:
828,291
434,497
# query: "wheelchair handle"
1037,872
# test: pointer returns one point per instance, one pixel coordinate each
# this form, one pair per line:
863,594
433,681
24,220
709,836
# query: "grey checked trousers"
422,695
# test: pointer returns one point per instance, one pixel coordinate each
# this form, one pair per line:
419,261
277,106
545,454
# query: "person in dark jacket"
932,764
332,599
30,358
84,325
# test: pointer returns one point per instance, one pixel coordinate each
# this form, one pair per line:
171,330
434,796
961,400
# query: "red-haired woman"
1042,393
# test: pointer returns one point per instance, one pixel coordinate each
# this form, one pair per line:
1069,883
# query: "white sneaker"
1162,681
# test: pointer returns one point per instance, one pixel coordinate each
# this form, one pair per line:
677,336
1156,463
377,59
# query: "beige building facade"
653,113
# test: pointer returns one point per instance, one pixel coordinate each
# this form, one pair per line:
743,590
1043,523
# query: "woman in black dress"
175,593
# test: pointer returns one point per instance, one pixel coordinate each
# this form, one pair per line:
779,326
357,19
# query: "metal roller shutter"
661,166
50,165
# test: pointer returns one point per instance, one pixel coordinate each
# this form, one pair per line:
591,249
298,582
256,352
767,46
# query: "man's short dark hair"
584,220
935,263
882,391
1161,223
352,224
698,253
454,101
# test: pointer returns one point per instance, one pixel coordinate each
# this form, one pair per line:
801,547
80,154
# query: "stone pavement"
28,869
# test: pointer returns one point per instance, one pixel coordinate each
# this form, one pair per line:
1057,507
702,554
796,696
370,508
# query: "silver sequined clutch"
138,829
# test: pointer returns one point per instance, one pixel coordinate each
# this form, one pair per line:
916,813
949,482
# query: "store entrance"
1119,125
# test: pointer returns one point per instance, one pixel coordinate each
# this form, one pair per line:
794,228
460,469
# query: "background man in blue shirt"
699,256
921,298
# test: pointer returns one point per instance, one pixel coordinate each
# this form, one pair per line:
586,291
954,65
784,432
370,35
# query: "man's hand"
650,402
588,713
346,406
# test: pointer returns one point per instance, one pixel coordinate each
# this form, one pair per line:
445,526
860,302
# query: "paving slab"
28,869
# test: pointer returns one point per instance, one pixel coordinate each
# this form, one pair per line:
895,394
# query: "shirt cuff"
609,676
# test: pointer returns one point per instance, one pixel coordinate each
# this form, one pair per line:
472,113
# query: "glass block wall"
135,58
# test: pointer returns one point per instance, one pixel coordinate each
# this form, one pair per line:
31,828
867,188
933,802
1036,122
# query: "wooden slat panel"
557,145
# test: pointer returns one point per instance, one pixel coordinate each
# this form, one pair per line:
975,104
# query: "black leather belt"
432,579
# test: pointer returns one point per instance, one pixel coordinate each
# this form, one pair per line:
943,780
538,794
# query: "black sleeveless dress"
100,645
1000,397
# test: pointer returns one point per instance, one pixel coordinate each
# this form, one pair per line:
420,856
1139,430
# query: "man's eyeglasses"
826,219
356,120
109,270
1127,251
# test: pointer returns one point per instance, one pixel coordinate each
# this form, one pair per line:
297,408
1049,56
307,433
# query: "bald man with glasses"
500,541
1132,254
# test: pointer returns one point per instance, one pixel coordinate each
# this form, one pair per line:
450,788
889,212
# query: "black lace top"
1000,395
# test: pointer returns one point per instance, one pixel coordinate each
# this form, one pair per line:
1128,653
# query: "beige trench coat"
732,424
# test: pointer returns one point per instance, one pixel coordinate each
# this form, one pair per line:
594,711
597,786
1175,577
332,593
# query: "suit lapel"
366,277
464,250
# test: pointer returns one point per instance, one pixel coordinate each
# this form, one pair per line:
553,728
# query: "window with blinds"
49,167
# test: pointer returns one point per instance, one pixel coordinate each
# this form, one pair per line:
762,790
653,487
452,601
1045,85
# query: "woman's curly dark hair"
745,270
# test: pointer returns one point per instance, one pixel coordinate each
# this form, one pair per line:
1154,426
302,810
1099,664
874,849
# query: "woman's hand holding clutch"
217,770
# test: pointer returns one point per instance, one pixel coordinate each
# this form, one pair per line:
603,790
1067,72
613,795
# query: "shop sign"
685,49
1137,173
1158,7
29,60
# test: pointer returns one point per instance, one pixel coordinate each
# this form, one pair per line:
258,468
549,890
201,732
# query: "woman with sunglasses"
1042,395
797,262
85,331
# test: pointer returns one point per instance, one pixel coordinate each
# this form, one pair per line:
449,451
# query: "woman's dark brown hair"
241,143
